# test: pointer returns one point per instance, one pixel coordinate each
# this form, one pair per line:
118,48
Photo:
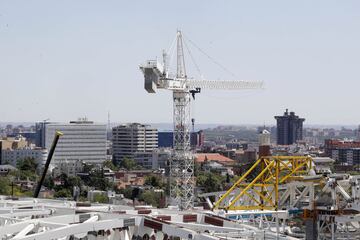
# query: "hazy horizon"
65,59
198,126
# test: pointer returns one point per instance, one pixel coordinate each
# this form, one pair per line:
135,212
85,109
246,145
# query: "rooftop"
201,157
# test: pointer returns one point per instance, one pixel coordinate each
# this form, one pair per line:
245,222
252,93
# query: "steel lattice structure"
182,163
262,193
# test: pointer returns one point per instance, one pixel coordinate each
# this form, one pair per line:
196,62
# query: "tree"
73,181
26,169
197,169
68,183
27,164
154,180
150,197
127,192
110,164
49,182
128,164
62,193
97,180
5,188
101,198
211,182
87,168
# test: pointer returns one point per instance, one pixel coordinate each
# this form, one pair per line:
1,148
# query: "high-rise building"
197,139
345,152
40,134
135,141
82,141
166,139
289,128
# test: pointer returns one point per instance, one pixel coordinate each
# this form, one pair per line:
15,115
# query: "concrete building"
345,152
12,156
135,141
82,141
347,156
336,143
213,157
264,143
166,139
13,142
125,179
161,158
40,128
219,168
197,139
70,168
6,169
289,128
323,165
14,149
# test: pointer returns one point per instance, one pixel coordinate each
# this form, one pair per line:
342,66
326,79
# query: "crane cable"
210,58
228,97
171,53
193,60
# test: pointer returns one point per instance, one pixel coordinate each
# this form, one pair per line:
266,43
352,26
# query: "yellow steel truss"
263,190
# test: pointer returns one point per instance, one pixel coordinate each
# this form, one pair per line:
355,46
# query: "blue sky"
67,59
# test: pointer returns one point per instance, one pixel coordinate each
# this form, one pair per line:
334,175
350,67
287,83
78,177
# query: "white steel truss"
40,219
156,75
182,161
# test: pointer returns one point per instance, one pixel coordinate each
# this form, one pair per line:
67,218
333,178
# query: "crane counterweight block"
152,71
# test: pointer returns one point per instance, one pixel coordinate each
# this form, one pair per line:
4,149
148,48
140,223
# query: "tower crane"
157,76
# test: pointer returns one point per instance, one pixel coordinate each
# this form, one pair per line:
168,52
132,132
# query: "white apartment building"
12,156
69,168
135,141
82,141
161,158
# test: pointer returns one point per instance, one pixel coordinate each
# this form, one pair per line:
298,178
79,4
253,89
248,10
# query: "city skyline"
61,62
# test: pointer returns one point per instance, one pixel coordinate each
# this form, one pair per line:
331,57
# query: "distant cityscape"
129,164
86,142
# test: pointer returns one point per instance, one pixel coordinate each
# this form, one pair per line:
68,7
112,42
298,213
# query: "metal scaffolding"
262,192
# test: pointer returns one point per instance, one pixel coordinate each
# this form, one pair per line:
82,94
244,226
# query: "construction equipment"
262,192
48,160
156,75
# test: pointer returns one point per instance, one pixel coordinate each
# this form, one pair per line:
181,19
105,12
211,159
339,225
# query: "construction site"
278,197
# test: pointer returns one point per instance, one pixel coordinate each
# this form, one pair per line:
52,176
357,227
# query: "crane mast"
156,75
182,161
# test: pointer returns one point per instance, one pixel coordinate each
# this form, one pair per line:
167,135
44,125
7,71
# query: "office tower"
40,134
134,141
166,139
82,141
289,128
